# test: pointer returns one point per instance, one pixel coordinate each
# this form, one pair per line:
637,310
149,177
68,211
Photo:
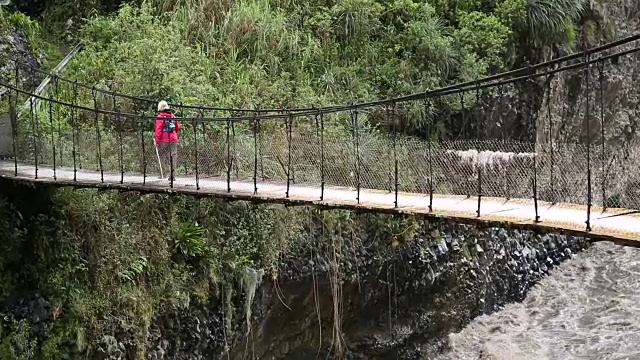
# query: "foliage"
40,40
191,240
109,263
261,53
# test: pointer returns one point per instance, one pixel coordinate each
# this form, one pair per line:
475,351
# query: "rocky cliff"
14,45
246,281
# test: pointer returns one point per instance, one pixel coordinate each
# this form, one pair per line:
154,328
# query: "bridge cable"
97,124
34,119
388,156
74,132
600,66
53,141
13,104
181,112
56,90
427,119
289,126
322,164
141,125
463,133
409,97
119,131
551,147
533,120
255,153
356,136
204,136
588,126
195,140
439,92
480,138
261,145
234,158
228,143
395,152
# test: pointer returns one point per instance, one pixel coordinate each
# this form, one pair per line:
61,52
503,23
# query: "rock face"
359,297
348,286
15,51
610,126
14,46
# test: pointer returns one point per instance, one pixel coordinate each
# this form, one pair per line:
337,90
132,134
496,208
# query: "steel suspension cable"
410,97
588,126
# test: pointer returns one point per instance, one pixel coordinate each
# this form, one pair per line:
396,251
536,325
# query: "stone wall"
345,285
394,298
564,127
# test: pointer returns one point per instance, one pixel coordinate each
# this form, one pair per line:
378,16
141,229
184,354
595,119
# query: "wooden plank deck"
618,225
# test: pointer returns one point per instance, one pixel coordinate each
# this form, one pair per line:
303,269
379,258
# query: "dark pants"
168,157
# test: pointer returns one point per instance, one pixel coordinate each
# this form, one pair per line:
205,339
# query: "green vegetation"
282,54
111,264
42,43
292,54
104,273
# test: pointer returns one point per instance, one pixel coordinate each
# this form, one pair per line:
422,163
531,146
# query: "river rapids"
586,308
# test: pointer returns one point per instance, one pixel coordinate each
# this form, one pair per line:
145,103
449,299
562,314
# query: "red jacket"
164,136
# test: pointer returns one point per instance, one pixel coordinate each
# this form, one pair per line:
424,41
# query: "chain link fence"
305,154
560,160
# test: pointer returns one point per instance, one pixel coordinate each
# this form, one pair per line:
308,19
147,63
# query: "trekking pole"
158,155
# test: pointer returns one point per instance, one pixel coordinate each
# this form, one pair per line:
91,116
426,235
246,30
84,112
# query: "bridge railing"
550,135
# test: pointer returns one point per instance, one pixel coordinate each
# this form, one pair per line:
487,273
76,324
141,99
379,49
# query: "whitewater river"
587,308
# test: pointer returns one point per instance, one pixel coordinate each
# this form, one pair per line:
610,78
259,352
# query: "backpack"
169,125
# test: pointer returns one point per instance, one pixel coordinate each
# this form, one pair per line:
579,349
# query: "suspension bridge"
547,146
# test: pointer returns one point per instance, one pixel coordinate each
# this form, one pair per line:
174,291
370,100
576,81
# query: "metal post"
428,120
57,97
195,140
463,128
14,118
551,149
142,124
119,125
479,137
261,149
171,168
97,123
34,119
234,158
255,153
74,125
534,122
356,134
602,135
53,140
204,136
290,125
395,152
181,116
588,128
389,119
322,166
13,99
228,156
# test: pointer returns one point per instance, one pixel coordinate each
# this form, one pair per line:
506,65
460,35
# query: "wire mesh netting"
555,138
305,155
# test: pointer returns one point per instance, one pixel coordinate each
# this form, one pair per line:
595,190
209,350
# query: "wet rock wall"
366,295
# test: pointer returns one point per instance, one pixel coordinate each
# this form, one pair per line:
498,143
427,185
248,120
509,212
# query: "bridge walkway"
618,225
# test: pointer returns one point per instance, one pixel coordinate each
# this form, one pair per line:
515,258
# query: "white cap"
162,105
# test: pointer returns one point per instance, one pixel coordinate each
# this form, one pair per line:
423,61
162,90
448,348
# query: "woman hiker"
166,139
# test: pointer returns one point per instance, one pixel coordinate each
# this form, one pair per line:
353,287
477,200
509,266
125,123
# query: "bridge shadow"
620,214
